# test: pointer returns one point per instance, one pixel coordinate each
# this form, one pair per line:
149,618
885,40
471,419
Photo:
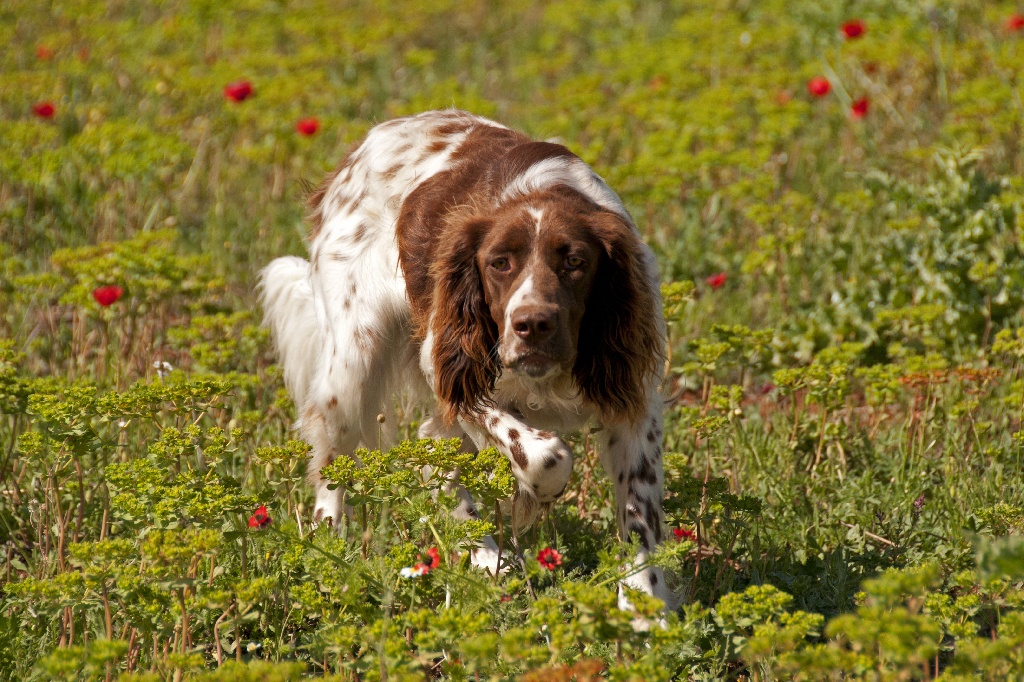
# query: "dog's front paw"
487,556
548,467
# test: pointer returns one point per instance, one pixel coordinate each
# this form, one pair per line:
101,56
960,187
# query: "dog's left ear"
621,343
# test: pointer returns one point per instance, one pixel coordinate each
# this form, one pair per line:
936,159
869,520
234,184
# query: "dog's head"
546,284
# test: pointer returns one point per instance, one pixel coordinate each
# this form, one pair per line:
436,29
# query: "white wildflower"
162,367
414,571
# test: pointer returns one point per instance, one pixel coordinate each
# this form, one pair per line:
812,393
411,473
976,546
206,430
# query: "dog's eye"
573,262
501,264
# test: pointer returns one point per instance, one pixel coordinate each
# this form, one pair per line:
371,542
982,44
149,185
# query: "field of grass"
834,190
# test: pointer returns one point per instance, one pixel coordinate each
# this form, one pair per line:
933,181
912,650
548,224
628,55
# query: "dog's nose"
534,323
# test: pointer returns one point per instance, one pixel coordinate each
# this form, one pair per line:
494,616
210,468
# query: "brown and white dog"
452,256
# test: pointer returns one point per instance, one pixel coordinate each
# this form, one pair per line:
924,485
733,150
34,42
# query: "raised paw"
547,466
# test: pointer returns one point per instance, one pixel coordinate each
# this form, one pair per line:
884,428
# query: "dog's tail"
289,312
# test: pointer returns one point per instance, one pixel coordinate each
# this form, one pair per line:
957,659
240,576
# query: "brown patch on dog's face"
537,264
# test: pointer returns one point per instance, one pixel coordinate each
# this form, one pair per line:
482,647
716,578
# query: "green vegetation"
844,284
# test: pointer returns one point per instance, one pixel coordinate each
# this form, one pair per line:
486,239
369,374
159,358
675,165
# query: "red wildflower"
684,534
859,109
307,126
549,558
238,91
1015,22
853,28
44,109
43,53
716,281
819,86
766,388
260,518
107,295
431,559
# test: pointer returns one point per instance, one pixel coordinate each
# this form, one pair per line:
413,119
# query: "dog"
498,277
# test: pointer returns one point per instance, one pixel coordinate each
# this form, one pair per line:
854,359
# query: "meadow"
834,191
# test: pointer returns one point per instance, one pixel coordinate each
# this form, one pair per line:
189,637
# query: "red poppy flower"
684,534
431,559
859,109
260,518
238,91
819,86
43,53
716,281
107,295
307,126
44,109
853,29
549,558
1015,23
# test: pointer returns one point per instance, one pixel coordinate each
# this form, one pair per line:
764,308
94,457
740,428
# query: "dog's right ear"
464,334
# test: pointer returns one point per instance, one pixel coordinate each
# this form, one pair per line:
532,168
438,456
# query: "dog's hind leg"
341,413
328,439
301,337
